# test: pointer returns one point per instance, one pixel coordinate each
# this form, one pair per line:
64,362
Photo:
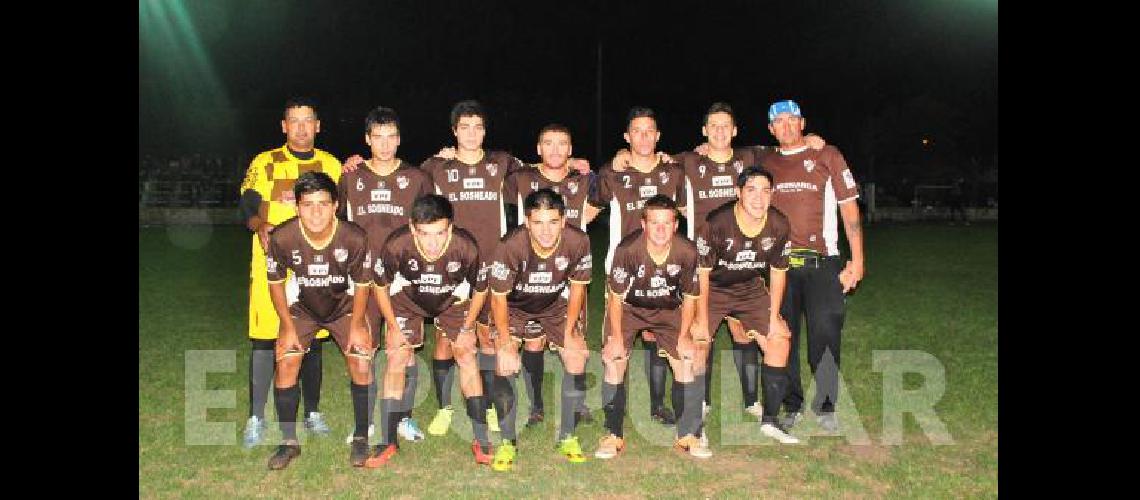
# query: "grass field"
929,289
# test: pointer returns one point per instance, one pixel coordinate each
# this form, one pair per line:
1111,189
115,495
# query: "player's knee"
359,369
398,358
289,364
465,357
534,345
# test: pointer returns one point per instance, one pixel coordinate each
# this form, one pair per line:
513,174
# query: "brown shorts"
550,323
750,304
411,319
664,323
307,328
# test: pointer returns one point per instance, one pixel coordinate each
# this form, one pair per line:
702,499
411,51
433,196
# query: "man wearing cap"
810,186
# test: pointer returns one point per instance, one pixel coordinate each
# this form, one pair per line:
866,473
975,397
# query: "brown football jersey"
810,185
644,282
379,203
475,191
711,184
625,194
735,257
574,188
327,276
431,285
534,281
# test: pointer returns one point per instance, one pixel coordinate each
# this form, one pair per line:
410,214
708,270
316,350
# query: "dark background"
874,78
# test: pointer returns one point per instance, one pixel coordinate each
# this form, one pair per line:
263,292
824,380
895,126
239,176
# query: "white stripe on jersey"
519,209
582,214
615,231
830,221
690,208
503,214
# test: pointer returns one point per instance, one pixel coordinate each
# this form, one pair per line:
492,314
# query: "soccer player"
738,242
538,283
375,197
625,193
810,187
653,285
554,173
267,199
426,269
331,263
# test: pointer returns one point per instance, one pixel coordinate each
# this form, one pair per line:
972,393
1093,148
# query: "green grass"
929,288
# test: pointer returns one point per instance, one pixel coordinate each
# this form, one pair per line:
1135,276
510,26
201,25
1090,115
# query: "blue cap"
788,106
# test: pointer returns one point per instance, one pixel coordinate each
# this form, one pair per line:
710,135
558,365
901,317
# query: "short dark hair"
720,107
544,199
754,171
660,202
313,181
553,127
639,112
469,107
298,102
381,116
430,208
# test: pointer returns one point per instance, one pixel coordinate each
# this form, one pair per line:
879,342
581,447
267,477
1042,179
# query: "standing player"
538,283
554,173
267,199
428,269
625,193
331,263
375,197
473,183
653,286
736,244
810,187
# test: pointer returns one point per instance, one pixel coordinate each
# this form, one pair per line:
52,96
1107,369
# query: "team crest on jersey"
402,182
491,169
379,267
619,274
452,266
673,269
573,187
561,263
720,168
809,165
499,271
541,266
702,246
766,243
664,177
340,254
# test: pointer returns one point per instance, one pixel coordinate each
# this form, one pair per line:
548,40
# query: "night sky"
873,77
